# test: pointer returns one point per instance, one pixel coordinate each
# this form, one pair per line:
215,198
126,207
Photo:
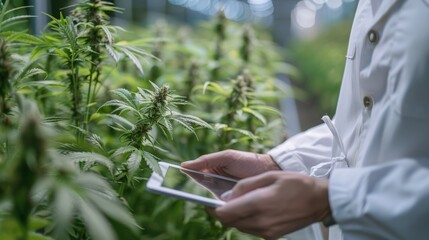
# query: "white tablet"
200,187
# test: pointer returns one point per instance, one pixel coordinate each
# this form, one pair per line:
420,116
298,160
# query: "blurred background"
312,33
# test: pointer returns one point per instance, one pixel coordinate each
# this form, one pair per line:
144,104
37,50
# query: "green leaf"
127,96
120,105
108,34
133,162
118,120
214,87
134,59
254,113
63,208
37,223
241,131
31,72
43,83
98,226
96,141
191,119
22,37
267,109
123,150
90,158
152,162
14,20
115,210
112,52
164,129
39,236
185,125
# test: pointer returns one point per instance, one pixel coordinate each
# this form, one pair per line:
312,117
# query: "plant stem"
88,97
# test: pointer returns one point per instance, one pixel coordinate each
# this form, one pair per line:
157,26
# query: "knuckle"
203,157
229,153
239,187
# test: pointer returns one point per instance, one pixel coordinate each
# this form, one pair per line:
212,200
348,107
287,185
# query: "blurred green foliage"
321,63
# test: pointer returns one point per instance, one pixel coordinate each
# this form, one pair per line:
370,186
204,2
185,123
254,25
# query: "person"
366,173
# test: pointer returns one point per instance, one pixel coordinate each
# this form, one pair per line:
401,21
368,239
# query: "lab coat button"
367,102
373,36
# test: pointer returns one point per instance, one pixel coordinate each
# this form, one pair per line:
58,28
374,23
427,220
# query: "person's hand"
275,203
233,163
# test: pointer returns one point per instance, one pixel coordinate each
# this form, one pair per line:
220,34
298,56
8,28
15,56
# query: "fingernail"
226,195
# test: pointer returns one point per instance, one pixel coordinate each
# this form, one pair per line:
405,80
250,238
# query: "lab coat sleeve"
386,201
304,150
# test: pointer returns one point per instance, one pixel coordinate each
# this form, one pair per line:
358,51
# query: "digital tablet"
200,187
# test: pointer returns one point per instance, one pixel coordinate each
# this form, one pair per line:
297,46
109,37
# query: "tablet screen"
196,183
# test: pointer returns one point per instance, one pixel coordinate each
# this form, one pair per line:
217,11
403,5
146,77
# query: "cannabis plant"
83,42
40,182
148,109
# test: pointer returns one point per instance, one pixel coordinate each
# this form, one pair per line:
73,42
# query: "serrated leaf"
32,72
91,157
112,53
121,120
192,119
114,210
186,125
120,105
206,84
43,83
37,223
22,37
214,87
108,34
134,59
165,129
123,150
125,95
133,162
152,162
63,209
98,226
14,20
219,126
96,140
254,113
267,108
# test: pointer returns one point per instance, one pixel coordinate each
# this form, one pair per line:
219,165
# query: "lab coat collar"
383,10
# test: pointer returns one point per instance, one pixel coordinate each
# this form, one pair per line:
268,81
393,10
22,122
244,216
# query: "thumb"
207,161
249,184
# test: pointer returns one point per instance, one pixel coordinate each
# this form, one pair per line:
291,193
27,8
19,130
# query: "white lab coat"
379,187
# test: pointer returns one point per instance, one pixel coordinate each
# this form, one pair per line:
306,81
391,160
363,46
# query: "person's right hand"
233,163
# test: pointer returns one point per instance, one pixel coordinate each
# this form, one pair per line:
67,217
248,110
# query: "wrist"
324,213
270,164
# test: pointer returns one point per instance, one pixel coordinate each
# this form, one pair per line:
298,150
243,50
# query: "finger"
258,226
242,207
249,184
211,211
212,160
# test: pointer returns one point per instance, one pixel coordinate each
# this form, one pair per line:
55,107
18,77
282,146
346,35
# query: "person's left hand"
275,203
